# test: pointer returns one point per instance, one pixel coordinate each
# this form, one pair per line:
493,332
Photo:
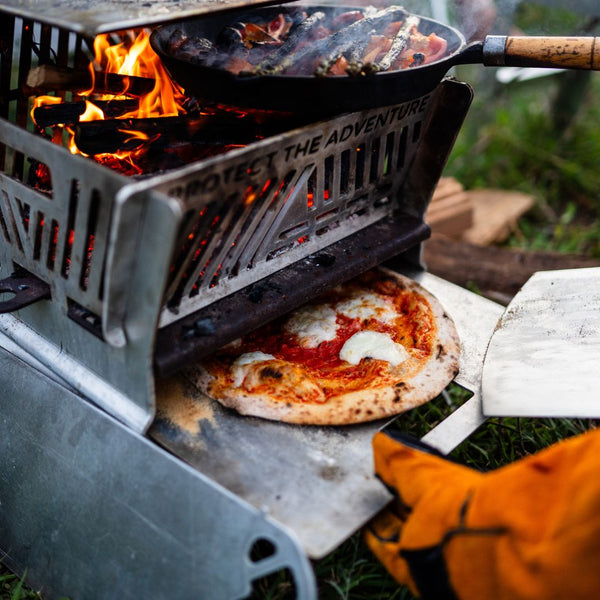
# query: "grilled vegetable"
354,42
286,54
399,43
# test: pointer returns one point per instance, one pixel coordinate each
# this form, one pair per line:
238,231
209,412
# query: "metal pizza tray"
317,482
542,360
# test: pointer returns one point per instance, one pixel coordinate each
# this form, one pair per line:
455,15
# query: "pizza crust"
410,385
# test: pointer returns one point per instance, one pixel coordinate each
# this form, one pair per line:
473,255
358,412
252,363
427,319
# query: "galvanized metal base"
91,509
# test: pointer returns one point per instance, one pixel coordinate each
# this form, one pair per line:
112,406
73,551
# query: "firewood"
495,214
112,135
450,211
52,78
494,271
66,113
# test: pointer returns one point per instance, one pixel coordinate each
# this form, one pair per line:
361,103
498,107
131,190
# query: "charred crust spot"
357,411
440,351
369,412
270,373
396,398
400,385
332,473
389,279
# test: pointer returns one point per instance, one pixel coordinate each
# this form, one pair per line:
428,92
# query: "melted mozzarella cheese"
313,325
367,306
241,365
373,344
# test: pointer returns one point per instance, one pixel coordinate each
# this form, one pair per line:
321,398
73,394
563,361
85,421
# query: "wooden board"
495,214
450,211
483,217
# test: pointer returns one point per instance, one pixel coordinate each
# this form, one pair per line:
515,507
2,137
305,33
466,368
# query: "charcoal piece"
229,39
196,50
175,40
355,54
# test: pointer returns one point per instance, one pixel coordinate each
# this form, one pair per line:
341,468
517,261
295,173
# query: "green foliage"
536,19
13,587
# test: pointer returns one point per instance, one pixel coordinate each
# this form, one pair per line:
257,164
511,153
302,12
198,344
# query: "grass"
516,143
14,588
514,139
540,137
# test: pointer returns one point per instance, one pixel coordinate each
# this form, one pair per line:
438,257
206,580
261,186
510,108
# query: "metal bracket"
26,289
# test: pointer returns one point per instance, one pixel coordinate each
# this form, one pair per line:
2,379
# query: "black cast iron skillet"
336,94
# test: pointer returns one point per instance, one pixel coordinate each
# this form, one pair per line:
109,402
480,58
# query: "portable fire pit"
114,280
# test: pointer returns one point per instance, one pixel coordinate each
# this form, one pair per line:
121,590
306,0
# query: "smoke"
475,18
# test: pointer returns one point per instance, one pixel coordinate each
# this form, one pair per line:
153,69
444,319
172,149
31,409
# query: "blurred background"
537,131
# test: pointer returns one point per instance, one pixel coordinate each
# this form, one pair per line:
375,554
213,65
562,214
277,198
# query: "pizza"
370,348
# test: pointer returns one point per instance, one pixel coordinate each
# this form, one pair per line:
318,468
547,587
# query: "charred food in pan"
303,42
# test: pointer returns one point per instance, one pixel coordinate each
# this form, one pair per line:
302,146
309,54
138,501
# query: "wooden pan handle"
552,52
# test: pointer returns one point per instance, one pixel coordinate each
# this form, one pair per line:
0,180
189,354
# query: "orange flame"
132,57
92,112
44,100
138,59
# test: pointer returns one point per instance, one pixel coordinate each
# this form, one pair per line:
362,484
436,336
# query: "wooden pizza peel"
543,359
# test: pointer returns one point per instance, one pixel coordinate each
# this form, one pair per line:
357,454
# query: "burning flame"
92,112
132,57
138,59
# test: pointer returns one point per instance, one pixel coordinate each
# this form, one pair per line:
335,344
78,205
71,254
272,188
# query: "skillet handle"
540,51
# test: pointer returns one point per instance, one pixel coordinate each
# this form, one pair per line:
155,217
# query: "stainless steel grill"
136,277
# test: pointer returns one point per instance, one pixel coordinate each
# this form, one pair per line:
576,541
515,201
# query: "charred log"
329,48
52,78
277,62
67,113
344,40
112,135
355,57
